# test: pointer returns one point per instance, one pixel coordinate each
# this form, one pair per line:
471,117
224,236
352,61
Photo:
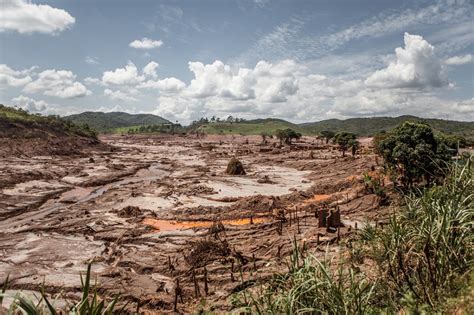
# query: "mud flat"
156,208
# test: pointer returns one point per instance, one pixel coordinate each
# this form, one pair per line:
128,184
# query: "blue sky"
297,60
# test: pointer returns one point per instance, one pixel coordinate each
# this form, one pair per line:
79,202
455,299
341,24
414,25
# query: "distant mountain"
373,125
359,126
107,122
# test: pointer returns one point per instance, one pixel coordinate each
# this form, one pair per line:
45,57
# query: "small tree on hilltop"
414,153
344,140
327,135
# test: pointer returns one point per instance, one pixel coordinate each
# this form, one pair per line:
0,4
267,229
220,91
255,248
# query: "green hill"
373,125
249,127
359,126
19,124
109,122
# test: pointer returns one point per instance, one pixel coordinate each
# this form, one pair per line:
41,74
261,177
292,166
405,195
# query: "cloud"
167,85
267,82
146,43
459,60
13,78
416,66
299,40
92,81
120,95
59,83
30,104
150,69
26,17
464,107
92,60
123,76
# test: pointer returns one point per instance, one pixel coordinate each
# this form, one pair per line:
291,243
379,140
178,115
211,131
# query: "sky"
297,60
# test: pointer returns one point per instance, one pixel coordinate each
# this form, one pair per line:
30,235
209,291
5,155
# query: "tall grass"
90,303
421,257
425,250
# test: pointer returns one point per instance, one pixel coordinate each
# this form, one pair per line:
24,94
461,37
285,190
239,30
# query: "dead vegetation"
235,167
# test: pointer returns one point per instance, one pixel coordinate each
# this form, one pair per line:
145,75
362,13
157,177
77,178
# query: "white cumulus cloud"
121,95
146,43
167,85
150,69
123,76
26,17
30,104
13,78
416,66
59,83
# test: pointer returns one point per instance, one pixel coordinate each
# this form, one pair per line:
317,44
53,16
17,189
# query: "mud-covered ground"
146,214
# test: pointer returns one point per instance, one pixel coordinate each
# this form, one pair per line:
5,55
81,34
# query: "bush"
412,152
235,167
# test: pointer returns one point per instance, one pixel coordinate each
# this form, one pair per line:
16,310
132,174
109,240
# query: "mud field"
155,212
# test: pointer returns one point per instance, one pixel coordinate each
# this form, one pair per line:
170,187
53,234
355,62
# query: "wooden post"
355,225
170,265
177,292
206,286
251,219
196,285
232,271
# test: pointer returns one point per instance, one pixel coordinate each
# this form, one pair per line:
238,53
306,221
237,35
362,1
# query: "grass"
26,123
248,128
422,260
90,303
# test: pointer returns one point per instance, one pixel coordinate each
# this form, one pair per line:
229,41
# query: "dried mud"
145,210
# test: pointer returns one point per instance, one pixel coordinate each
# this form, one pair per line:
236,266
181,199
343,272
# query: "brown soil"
161,210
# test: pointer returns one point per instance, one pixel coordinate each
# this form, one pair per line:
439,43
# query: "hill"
109,122
249,127
373,125
22,133
359,126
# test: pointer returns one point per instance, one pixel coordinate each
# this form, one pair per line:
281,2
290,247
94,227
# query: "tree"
328,135
414,153
287,135
344,140
354,145
264,136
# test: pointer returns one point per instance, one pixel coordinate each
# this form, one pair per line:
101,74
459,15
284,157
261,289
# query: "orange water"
169,225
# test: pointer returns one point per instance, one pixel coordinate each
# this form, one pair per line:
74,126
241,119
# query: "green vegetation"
373,125
327,135
287,135
15,122
90,302
359,126
420,262
149,129
413,152
346,140
109,122
252,127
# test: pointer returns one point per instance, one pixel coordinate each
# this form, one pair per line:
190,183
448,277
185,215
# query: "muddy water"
169,225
